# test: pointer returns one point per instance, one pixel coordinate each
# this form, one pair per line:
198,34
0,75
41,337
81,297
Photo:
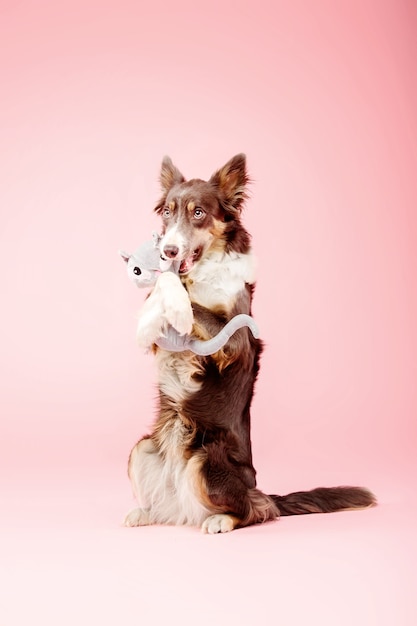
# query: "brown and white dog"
196,466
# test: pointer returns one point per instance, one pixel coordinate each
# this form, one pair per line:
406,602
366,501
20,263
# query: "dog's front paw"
148,330
180,315
177,305
150,321
137,517
220,523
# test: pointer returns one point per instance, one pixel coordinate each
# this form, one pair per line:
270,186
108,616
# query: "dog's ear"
232,180
170,175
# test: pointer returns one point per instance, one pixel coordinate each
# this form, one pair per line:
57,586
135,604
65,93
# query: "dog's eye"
166,212
199,214
137,271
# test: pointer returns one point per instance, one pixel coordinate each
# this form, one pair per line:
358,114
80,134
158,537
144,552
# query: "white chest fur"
217,279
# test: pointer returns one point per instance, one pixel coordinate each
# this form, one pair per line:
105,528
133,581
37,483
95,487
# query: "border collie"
195,467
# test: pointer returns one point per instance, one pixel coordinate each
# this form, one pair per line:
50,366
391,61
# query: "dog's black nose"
171,251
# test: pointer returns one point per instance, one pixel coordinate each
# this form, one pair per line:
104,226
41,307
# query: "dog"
195,467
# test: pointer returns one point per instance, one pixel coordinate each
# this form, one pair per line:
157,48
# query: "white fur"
173,237
137,517
219,523
218,278
164,486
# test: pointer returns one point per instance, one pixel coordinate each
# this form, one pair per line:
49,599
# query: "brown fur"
202,430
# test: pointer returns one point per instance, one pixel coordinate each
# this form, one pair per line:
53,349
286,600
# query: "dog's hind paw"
137,517
220,523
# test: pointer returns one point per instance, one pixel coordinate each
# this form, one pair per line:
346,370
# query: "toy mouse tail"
210,346
241,320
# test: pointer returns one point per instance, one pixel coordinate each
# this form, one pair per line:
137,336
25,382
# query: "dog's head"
199,216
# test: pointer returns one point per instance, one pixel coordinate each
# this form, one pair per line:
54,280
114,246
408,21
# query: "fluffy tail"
324,500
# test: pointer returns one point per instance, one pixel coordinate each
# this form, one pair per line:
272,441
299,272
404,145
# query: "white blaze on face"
187,240
173,237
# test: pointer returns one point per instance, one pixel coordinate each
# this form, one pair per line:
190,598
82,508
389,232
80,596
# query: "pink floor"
66,559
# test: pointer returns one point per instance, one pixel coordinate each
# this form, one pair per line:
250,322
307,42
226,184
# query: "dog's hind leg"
254,508
144,463
234,501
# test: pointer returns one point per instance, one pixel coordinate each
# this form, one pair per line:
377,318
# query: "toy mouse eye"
137,271
199,214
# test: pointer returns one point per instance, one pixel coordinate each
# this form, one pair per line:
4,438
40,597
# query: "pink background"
322,98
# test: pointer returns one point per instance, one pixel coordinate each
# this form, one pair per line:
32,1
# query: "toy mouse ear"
156,238
125,256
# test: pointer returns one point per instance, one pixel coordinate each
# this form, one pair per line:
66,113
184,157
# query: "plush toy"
175,342
144,268
145,264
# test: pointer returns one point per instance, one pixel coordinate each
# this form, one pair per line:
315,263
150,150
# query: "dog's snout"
171,252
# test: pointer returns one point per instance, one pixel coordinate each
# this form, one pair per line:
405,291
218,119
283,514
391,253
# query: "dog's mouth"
188,263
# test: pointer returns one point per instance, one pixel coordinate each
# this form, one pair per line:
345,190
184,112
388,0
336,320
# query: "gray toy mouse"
144,267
